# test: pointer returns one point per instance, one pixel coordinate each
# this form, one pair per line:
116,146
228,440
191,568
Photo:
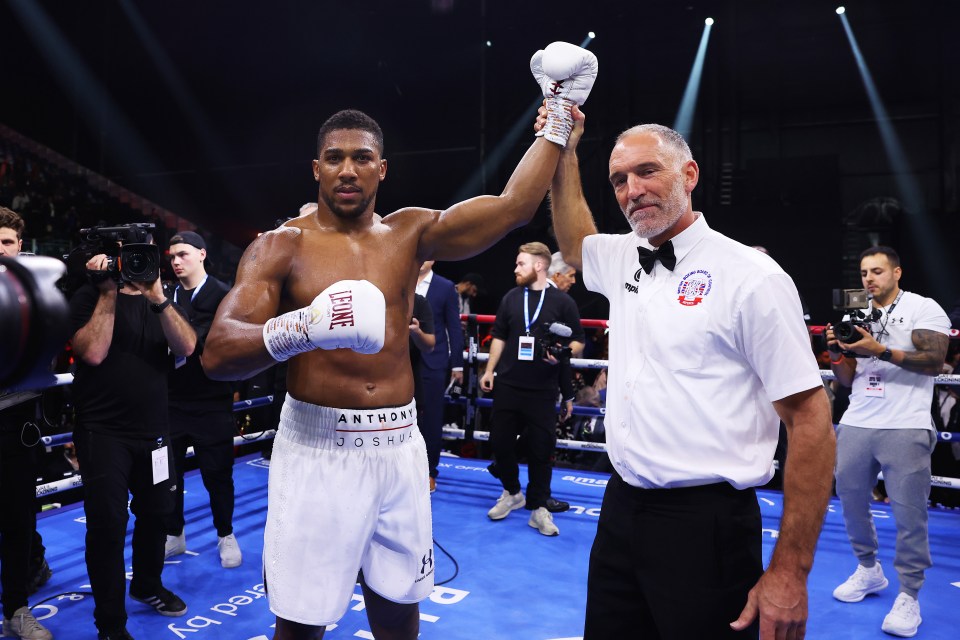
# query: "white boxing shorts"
349,490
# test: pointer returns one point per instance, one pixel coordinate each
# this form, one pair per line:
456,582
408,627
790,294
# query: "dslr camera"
852,302
550,343
131,257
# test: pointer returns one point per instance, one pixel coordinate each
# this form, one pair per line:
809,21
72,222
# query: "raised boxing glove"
565,73
350,314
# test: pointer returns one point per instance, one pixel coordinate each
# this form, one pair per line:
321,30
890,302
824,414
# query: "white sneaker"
23,625
542,521
864,581
904,617
505,504
230,555
175,545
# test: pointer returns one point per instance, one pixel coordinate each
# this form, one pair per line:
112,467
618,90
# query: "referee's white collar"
686,240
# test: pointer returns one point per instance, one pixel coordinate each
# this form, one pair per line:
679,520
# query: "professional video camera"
852,302
130,255
550,344
33,321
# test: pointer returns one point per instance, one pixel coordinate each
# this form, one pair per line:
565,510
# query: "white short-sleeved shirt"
904,402
697,356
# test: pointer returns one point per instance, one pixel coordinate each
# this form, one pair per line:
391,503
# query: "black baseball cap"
189,237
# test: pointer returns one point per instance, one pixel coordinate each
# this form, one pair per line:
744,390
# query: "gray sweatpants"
904,457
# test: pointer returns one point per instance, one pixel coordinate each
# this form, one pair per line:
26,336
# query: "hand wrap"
565,73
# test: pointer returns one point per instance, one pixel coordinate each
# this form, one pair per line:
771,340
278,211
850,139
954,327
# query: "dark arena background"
817,133
210,111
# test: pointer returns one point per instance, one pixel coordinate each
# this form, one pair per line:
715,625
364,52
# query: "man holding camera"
123,330
19,440
529,362
201,409
890,361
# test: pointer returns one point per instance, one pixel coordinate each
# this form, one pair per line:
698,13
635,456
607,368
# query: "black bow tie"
664,254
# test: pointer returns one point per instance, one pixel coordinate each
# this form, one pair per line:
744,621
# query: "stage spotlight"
591,35
489,44
841,10
933,251
683,123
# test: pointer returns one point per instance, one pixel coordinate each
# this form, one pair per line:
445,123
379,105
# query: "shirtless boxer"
348,488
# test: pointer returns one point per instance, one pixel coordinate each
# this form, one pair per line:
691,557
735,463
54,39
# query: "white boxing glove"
350,314
565,73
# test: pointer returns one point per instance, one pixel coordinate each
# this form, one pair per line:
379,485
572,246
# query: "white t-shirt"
887,396
697,356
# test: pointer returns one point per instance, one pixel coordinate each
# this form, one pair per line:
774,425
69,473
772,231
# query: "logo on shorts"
426,565
694,287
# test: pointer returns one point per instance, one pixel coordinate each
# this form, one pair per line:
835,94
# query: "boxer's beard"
667,211
354,211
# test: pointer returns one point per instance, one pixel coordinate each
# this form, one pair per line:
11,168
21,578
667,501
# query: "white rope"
455,433
74,482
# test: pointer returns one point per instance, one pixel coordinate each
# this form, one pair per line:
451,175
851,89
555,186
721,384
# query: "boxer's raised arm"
472,226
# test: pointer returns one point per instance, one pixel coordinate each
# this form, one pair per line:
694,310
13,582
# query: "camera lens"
140,262
846,332
33,319
136,264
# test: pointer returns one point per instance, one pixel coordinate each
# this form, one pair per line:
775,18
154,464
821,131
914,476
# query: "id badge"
161,465
874,385
526,348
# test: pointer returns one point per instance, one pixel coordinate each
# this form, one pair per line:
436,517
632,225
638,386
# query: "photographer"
19,441
889,356
123,329
524,355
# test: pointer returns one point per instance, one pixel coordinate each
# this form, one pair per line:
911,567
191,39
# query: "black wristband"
886,355
158,308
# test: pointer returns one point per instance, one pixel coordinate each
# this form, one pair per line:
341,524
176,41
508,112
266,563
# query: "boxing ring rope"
76,481
473,357
471,401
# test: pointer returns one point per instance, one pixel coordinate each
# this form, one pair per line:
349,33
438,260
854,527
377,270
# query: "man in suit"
201,410
447,355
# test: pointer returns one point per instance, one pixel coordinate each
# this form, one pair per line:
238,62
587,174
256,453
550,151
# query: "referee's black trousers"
673,564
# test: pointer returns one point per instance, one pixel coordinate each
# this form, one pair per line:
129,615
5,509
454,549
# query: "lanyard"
195,291
526,307
886,317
